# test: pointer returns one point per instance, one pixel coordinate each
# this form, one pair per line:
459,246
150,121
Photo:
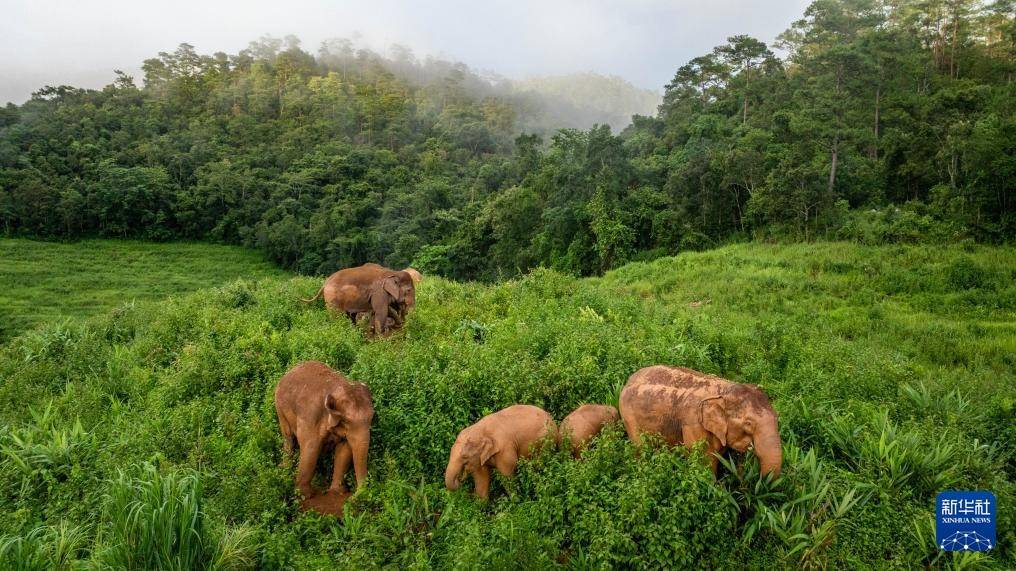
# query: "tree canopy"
868,120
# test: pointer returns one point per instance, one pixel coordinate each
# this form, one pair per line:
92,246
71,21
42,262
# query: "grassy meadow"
46,281
145,436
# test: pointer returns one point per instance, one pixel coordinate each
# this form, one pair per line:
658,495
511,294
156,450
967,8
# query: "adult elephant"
370,289
318,407
684,406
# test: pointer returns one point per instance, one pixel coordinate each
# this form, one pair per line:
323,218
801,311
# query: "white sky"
81,42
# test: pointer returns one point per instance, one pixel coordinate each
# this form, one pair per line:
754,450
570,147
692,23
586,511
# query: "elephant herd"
318,407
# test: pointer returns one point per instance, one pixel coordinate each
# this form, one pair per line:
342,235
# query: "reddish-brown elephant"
497,441
685,406
585,422
319,407
370,289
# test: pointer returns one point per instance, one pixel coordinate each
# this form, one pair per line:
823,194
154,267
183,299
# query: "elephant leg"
343,458
287,433
711,459
506,461
379,303
287,439
379,327
633,432
481,477
309,452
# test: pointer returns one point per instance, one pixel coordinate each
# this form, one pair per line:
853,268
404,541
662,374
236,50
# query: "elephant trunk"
359,445
769,450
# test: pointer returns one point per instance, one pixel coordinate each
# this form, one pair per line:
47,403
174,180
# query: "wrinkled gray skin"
685,406
497,441
317,408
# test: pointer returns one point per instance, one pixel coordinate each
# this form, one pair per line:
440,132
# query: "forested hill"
879,122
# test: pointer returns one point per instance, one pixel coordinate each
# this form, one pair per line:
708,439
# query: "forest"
871,121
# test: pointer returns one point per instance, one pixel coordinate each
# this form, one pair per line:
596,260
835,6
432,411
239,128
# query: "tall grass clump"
157,521
62,547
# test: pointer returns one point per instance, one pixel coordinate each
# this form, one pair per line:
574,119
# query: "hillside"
891,367
874,122
45,281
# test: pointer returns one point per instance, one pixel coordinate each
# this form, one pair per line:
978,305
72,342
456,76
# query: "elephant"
318,406
497,441
584,423
416,275
684,406
370,289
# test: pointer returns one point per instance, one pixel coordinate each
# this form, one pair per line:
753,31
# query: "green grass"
892,369
45,281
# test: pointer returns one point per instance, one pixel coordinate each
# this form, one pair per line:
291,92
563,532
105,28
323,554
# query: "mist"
62,42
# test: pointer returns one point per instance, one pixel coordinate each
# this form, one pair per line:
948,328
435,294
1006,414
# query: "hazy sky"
81,42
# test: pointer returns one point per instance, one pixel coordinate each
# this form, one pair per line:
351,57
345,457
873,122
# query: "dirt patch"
328,503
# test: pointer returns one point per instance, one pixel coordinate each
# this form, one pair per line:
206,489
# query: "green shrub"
964,273
156,521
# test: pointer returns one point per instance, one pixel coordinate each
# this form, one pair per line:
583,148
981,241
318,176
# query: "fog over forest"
80,44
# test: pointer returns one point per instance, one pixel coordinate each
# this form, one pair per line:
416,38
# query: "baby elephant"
498,440
320,407
585,422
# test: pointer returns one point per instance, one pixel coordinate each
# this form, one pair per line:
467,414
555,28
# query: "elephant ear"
714,418
391,285
334,409
487,449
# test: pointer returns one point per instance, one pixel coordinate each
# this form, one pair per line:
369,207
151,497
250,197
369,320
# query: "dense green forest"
883,121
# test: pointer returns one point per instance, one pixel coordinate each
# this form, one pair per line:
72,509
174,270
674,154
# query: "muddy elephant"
318,408
373,290
585,422
497,441
684,406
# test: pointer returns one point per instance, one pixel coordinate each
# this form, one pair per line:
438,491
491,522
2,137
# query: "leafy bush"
895,224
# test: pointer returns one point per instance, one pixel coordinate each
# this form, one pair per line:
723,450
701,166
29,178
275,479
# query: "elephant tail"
313,299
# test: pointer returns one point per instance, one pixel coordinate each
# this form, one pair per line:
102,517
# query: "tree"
743,54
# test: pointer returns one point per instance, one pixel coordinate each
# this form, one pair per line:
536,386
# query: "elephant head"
393,292
350,412
467,455
742,416
407,288
396,289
